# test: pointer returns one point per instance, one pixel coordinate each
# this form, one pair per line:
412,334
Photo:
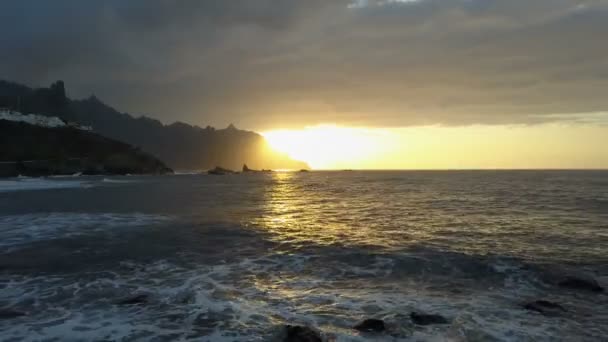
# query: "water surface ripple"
233,258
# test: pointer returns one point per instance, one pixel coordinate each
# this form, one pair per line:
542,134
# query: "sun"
328,146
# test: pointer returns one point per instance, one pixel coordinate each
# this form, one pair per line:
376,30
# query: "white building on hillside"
38,120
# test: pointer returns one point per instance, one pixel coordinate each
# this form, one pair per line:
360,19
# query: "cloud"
271,63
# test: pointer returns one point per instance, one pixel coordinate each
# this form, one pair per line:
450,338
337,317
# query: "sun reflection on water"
304,208
392,211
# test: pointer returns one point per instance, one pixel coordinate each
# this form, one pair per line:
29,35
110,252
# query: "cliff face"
180,145
32,150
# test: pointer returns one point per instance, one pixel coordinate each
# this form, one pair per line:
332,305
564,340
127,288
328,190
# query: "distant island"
179,145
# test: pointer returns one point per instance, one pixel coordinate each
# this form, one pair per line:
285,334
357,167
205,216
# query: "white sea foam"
77,174
22,229
318,265
187,173
24,183
118,181
250,299
58,182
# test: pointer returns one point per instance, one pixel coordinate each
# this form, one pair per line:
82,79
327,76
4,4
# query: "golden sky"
434,147
427,83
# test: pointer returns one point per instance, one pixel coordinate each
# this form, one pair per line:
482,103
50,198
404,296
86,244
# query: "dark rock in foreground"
135,300
8,314
427,319
294,333
580,283
545,307
371,325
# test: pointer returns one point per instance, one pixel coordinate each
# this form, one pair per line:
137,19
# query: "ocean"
237,257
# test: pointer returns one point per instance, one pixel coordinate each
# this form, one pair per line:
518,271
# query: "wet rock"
466,328
581,283
220,171
8,314
135,300
206,323
427,319
371,325
545,307
294,333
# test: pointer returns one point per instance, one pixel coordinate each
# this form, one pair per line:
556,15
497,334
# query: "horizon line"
463,169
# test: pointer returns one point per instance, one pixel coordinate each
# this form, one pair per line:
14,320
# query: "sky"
428,73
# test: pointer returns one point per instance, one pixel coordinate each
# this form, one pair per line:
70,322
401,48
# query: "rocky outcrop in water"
294,333
8,314
135,300
246,169
370,325
220,171
427,319
581,283
545,307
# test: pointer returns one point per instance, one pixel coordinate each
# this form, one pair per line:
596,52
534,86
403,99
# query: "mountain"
180,145
33,150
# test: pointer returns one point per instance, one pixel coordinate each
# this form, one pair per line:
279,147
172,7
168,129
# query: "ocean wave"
118,181
18,230
250,299
25,184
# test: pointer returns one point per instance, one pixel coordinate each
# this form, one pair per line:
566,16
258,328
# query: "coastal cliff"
32,150
180,145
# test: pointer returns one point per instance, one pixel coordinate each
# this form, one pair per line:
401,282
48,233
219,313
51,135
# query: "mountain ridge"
180,145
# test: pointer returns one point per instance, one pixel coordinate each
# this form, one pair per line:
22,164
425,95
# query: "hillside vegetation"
31,150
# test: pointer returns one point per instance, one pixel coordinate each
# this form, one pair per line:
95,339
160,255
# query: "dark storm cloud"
278,63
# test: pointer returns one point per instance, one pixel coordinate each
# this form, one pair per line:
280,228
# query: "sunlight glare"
329,146
437,147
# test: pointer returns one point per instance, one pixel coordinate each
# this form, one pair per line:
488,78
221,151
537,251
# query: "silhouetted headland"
32,150
181,146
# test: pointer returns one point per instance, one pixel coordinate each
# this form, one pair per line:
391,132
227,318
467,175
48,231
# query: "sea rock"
545,307
8,314
246,169
581,283
294,333
135,300
205,323
219,171
467,327
370,325
427,319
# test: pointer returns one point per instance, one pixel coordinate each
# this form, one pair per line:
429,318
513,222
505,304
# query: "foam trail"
27,184
22,229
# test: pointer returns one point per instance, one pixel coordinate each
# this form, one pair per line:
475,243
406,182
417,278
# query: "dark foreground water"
233,258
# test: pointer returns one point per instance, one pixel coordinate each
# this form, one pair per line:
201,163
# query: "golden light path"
435,147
